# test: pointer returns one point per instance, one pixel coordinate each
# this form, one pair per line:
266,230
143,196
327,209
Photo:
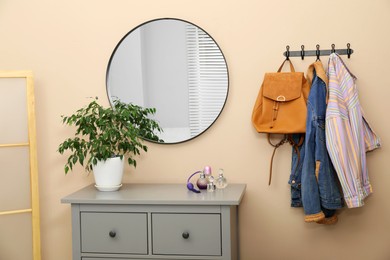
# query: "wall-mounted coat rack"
302,53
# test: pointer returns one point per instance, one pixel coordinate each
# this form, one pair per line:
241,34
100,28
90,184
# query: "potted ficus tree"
105,136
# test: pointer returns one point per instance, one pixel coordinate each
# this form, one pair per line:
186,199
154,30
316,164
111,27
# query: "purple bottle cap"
207,170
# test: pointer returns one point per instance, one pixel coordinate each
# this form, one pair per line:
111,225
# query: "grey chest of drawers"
155,221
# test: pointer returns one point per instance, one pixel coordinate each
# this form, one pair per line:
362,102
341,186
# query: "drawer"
114,233
186,234
105,258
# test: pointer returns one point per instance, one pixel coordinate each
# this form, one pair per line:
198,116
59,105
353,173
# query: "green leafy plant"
103,133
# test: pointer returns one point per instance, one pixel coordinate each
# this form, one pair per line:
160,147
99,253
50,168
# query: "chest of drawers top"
160,194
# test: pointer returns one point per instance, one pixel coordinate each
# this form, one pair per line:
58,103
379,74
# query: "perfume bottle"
210,184
221,182
202,181
207,172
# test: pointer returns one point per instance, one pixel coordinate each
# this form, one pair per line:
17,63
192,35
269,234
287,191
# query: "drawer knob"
112,233
185,235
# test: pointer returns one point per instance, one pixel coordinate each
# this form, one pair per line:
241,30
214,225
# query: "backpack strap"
276,146
286,139
291,66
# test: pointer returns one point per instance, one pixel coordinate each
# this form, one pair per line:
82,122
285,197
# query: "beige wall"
67,44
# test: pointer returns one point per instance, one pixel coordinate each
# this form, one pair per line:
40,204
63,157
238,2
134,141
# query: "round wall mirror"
173,66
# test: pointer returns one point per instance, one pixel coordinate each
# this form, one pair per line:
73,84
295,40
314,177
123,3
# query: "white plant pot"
108,174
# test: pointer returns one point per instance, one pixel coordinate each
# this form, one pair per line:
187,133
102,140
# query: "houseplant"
108,134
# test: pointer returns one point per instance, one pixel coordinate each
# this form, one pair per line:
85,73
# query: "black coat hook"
287,52
318,52
349,50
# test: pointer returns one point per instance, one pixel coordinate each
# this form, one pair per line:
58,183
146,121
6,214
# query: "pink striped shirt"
348,134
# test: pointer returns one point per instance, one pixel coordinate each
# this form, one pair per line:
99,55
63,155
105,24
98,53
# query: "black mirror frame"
177,19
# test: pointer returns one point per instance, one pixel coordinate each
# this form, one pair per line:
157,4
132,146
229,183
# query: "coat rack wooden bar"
318,52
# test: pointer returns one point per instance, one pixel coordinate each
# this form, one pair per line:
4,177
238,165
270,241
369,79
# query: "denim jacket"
314,177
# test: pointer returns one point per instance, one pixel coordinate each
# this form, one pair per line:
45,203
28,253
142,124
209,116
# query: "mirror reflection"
175,67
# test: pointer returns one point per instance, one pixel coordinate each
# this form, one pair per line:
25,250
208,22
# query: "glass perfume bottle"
202,181
210,184
207,172
221,182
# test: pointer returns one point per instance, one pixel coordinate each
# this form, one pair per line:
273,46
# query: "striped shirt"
348,134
